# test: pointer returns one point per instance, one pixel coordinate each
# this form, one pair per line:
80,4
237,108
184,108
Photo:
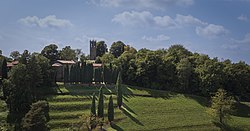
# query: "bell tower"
92,44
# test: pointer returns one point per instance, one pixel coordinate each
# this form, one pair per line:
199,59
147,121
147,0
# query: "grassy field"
143,109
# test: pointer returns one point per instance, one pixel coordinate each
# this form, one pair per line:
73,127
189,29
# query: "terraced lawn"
143,110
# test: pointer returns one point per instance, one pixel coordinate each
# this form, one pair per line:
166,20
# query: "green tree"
68,54
4,69
100,112
66,74
24,57
107,58
20,97
51,52
37,117
221,105
110,110
184,69
177,52
101,48
15,55
34,75
46,70
93,106
119,90
117,48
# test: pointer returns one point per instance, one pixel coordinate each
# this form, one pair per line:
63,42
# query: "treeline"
87,74
177,69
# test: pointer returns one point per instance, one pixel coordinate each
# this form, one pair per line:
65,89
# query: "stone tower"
92,49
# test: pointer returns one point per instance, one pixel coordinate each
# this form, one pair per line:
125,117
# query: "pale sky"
219,28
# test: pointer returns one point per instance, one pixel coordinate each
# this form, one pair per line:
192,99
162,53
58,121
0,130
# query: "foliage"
37,117
4,69
93,106
15,55
110,109
100,110
101,48
117,48
51,52
185,70
221,105
66,74
18,87
69,54
25,56
107,58
119,90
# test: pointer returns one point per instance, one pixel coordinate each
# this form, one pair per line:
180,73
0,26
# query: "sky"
218,28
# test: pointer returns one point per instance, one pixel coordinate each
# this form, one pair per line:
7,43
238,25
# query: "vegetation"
100,110
37,117
4,69
117,48
119,90
221,105
93,107
194,77
110,110
171,111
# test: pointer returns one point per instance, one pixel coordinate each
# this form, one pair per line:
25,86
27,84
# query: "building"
93,47
59,65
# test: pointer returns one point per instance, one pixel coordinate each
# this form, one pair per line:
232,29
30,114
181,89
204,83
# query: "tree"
46,70
15,55
68,54
66,74
51,52
34,75
117,48
18,87
93,107
107,58
24,57
177,52
221,105
4,69
119,90
110,110
101,48
184,69
83,57
100,112
37,117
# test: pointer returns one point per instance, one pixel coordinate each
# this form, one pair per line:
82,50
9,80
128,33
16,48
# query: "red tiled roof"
10,64
66,61
97,65
57,65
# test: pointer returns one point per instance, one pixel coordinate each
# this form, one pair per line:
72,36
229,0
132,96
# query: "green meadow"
143,109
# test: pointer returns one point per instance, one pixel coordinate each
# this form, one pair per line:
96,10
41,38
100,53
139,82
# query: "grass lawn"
143,110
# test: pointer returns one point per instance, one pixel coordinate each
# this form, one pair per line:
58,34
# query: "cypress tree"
98,75
100,104
110,110
93,108
66,74
4,69
77,72
119,90
84,72
71,74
